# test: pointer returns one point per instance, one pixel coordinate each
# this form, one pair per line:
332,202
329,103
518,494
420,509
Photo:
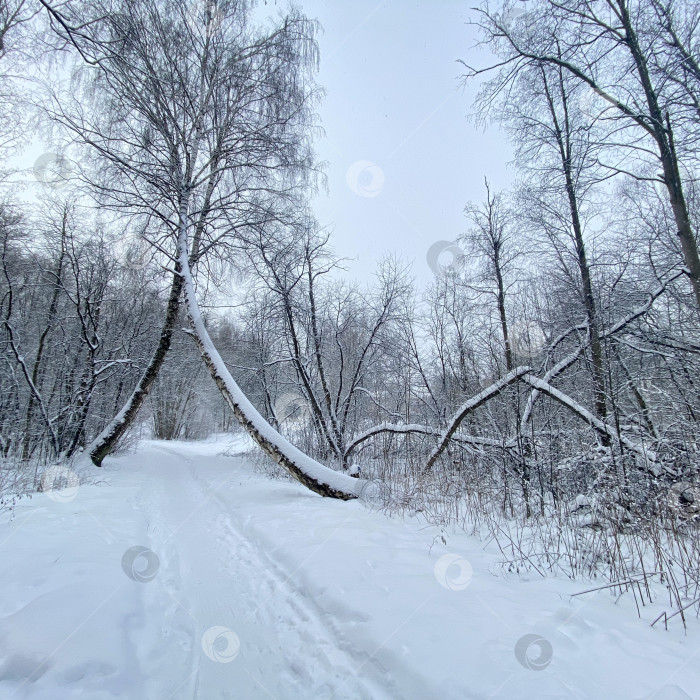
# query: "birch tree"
204,132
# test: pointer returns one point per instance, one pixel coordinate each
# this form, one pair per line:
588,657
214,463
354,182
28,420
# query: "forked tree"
201,121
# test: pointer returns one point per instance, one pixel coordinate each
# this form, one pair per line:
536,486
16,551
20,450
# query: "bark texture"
104,443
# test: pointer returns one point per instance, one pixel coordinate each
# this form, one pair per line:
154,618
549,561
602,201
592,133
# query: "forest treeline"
544,386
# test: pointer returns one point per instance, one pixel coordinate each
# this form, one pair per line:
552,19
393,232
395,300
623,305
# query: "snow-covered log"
417,429
395,428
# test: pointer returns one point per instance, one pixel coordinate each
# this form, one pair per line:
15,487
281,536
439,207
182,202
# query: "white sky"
393,98
396,127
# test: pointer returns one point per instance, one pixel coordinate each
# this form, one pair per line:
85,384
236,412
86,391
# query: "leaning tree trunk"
471,405
104,443
312,474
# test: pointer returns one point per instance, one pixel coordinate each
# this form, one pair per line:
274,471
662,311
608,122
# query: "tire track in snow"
288,649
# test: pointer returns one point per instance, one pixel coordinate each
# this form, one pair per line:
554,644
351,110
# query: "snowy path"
218,577
262,590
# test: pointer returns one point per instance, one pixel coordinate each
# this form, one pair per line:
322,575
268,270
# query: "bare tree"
491,242
335,335
605,46
206,134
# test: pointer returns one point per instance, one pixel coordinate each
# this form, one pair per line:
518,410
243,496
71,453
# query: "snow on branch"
603,428
570,359
472,404
415,428
312,474
395,428
523,374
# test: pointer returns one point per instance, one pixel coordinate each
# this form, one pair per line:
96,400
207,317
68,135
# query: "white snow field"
246,587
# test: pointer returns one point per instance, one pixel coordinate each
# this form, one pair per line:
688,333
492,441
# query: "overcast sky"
403,158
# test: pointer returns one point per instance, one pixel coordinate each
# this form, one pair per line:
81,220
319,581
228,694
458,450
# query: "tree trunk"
562,135
471,405
502,308
663,135
36,371
312,474
104,443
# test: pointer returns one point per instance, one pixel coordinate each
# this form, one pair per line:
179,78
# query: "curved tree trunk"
523,374
104,443
471,405
312,474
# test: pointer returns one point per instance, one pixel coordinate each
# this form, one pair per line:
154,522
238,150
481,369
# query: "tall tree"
491,244
204,129
609,48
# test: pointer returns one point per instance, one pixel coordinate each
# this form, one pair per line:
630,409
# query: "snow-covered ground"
187,574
